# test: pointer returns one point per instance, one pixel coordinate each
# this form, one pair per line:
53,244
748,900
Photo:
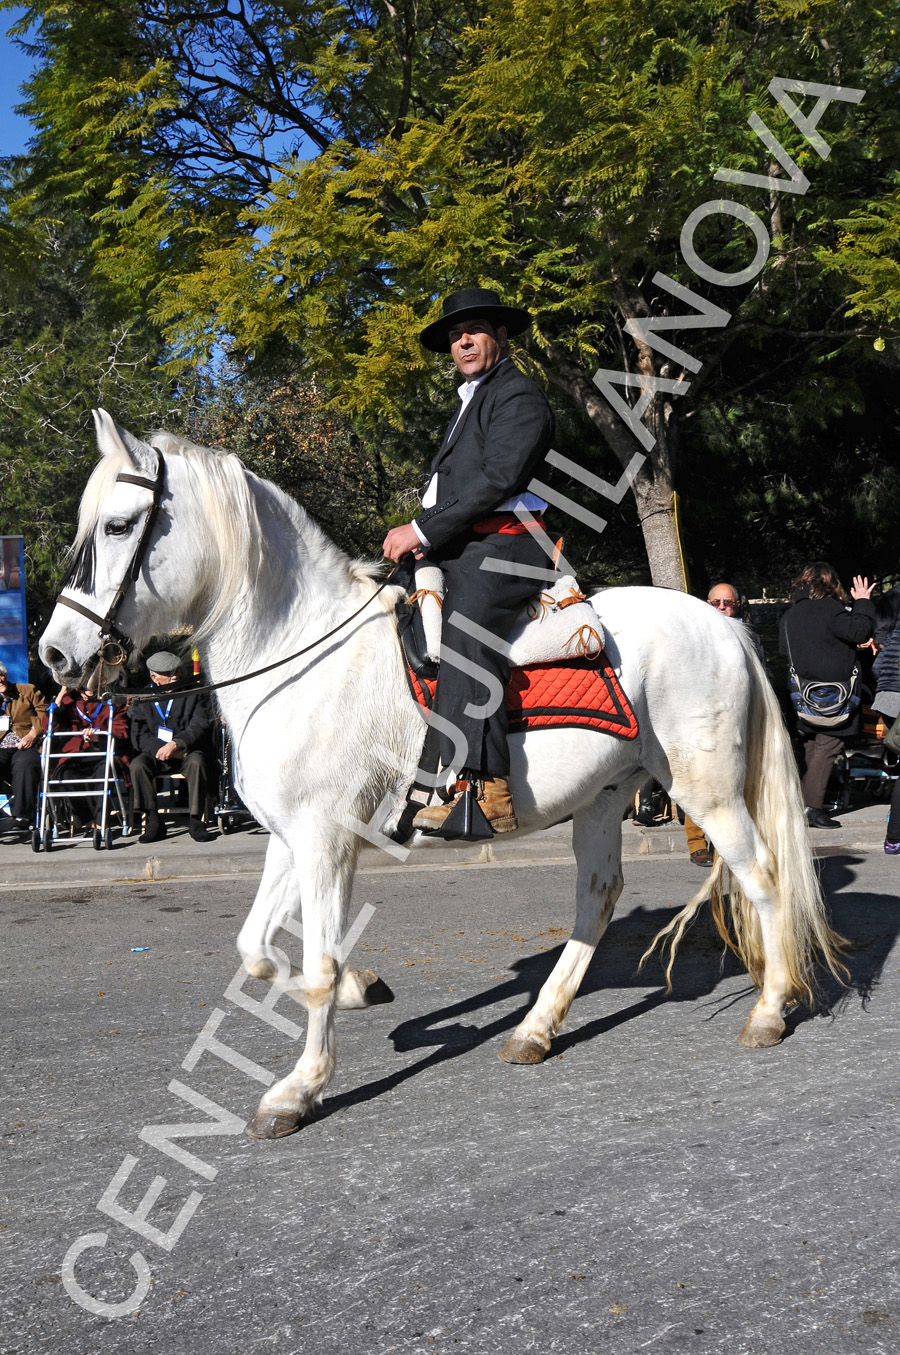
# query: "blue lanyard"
165,717
88,719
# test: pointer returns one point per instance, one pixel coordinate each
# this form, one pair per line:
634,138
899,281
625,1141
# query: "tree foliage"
65,347
281,427
302,184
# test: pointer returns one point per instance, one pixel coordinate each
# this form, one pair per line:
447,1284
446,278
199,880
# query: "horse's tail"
773,800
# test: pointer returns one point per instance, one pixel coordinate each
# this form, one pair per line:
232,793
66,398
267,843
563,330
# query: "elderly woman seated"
22,709
88,719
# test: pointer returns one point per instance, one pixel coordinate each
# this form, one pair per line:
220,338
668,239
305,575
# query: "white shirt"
527,501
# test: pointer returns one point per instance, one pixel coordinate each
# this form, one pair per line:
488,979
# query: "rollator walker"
47,821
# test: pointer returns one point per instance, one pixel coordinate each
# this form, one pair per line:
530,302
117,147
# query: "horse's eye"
117,528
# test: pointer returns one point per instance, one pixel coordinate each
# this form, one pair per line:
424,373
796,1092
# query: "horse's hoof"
361,988
261,969
760,1037
273,1125
375,990
527,1050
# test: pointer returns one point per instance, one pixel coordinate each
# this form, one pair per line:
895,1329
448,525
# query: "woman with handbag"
887,698
819,634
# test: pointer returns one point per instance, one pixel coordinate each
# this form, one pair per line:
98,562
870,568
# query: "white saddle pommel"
558,623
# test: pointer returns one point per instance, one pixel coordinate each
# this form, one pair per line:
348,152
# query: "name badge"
164,735
4,724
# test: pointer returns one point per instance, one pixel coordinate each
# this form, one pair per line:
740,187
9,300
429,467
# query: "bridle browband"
115,647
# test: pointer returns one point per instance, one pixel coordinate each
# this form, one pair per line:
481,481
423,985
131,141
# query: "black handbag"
823,704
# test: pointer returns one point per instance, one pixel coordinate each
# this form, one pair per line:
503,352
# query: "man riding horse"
499,434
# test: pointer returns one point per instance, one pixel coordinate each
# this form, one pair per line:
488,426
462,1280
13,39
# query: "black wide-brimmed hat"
470,304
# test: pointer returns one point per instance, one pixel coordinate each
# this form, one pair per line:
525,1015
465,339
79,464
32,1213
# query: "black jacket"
190,720
823,635
887,636
491,454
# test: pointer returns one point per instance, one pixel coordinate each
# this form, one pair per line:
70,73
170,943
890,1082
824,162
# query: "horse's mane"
226,501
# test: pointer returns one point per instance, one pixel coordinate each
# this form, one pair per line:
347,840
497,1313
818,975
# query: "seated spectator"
88,719
22,710
170,734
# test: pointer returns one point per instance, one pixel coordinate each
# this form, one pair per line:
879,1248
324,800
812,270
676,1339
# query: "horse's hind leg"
761,939
597,840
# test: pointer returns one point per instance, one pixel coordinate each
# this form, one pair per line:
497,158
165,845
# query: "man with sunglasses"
726,599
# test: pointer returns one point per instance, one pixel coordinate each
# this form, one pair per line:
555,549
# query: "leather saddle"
556,625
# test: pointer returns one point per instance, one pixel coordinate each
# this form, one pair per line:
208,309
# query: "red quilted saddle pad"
578,692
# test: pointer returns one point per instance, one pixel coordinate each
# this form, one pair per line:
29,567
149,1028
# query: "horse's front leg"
597,840
278,897
278,894
325,862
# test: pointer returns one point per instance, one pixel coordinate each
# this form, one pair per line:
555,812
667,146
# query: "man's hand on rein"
400,541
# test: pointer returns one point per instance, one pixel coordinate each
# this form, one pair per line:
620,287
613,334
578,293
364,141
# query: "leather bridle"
115,646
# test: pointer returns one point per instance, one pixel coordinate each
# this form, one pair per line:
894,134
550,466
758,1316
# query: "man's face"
476,347
725,599
163,679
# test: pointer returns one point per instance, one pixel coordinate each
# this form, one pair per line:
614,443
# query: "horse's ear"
114,440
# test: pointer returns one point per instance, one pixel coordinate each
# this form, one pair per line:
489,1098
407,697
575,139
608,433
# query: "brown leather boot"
494,801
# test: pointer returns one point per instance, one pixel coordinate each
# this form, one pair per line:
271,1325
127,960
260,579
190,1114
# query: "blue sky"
14,68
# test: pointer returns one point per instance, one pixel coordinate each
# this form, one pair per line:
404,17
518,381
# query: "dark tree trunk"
653,488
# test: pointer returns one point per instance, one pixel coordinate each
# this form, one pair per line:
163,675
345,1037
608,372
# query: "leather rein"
115,647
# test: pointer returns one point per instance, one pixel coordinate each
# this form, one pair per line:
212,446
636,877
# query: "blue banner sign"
13,634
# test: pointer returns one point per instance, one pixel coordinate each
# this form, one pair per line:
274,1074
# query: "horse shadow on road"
870,923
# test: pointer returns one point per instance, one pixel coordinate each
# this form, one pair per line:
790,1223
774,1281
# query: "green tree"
64,348
314,179
867,254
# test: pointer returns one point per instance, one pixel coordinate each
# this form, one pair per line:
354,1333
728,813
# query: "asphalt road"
652,1187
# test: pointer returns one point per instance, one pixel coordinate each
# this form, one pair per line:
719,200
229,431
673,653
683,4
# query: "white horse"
324,741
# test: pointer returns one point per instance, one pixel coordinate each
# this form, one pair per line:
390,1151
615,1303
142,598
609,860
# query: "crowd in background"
847,644
169,732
